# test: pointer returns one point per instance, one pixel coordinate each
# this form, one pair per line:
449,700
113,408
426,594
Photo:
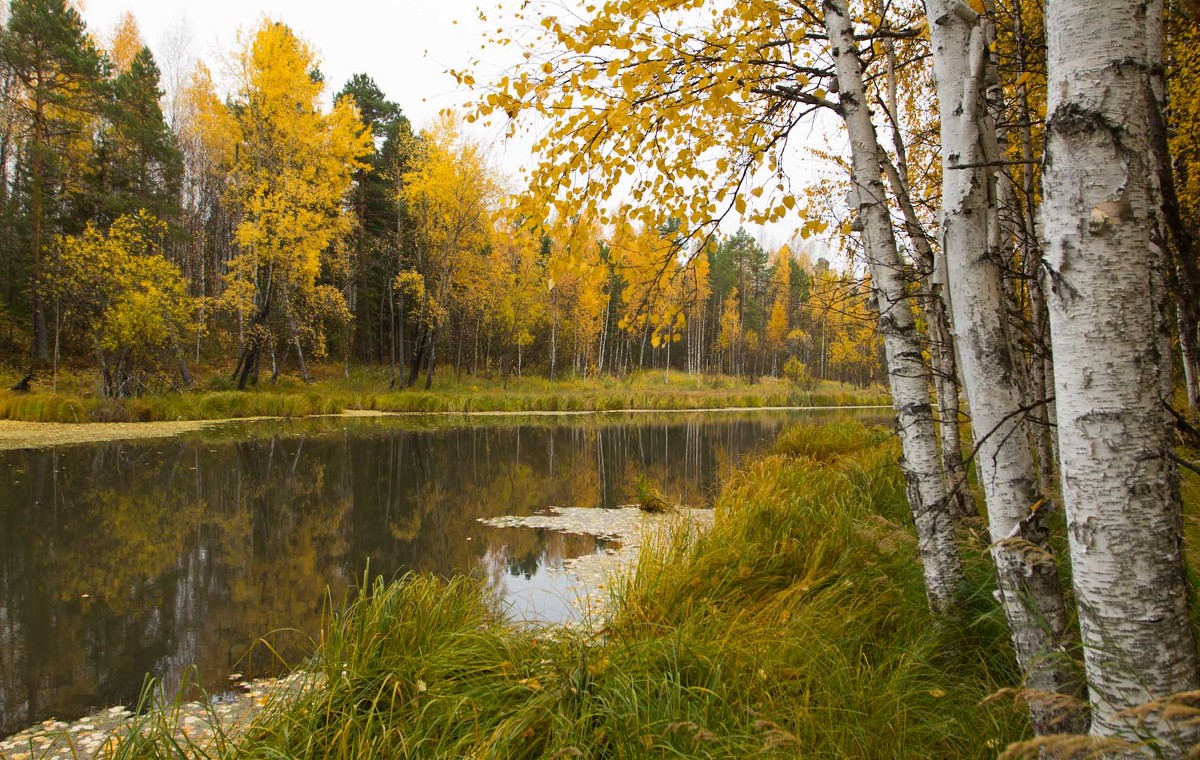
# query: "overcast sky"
405,45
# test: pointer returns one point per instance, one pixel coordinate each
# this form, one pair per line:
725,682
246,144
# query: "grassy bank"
796,627
74,399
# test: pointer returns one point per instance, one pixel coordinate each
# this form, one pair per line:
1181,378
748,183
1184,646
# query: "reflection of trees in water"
188,551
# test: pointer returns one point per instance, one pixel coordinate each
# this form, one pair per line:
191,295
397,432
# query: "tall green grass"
75,401
796,627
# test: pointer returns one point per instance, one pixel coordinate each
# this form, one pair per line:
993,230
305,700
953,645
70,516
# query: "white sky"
407,46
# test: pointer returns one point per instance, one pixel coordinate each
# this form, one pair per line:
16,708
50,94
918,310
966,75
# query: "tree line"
1019,180
239,222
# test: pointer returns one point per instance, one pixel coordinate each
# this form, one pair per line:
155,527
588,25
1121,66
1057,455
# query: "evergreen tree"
141,165
375,247
59,78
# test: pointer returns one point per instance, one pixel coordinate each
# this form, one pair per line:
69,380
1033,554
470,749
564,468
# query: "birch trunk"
1031,257
941,349
962,501
1102,273
908,375
1029,588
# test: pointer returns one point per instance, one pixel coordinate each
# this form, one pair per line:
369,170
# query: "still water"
128,558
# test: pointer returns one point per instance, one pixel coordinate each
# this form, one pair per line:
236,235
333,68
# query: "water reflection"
127,558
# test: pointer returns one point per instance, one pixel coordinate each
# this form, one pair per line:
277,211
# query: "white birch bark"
941,349
1031,256
1029,587
908,375
1104,286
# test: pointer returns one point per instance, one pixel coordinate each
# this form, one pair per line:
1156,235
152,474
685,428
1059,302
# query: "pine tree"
142,166
374,247
59,74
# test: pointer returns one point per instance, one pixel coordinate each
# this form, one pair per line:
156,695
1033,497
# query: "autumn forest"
978,215
260,229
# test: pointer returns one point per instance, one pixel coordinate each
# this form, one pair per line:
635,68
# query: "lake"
219,552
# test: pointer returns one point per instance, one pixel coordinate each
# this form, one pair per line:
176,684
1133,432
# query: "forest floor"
73,398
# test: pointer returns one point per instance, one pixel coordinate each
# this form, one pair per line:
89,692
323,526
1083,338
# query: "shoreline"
199,727
19,434
202,726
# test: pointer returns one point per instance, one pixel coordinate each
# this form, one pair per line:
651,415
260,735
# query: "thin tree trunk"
300,359
945,369
475,361
295,339
185,375
248,362
1031,257
554,333
432,359
392,336
962,501
1030,590
414,370
907,373
1102,272
41,343
278,367
1182,268
57,346
1190,354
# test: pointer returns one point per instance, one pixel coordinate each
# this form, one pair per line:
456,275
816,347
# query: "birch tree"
639,98
1029,587
908,375
450,192
292,169
1102,273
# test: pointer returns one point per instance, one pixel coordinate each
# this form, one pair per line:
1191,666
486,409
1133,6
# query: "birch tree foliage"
777,324
450,192
116,286
578,301
517,274
678,103
292,168
125,42
648,259
1184,97
208,136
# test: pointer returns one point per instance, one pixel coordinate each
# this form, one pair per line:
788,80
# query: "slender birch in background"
941,348
1029,587
1102,273
908,375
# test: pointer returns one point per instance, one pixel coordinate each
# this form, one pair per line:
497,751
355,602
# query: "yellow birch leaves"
292,167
